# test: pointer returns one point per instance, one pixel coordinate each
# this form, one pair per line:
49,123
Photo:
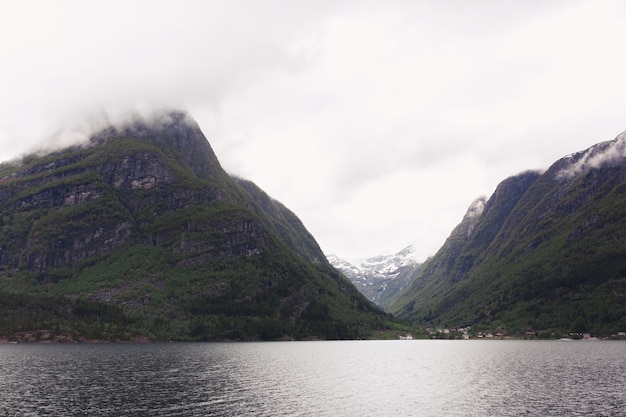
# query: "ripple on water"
419,378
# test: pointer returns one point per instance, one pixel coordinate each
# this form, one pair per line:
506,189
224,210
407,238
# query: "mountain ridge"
547,253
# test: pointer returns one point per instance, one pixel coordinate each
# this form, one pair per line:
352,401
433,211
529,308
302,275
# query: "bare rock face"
141,171
77,245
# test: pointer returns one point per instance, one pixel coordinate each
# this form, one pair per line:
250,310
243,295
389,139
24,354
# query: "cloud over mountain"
345,110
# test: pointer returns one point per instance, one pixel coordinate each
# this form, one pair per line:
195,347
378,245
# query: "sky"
377,122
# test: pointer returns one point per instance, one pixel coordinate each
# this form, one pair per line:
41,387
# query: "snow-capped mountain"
381,277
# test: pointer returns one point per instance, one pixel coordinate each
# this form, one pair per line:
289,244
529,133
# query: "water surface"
348,378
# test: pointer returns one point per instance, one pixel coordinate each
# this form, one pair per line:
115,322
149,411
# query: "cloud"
606,154
69,57
376,122
78,130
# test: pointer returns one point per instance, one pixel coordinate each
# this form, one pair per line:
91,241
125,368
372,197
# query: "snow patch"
380,267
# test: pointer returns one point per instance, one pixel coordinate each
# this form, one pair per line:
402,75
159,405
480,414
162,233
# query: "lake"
342,378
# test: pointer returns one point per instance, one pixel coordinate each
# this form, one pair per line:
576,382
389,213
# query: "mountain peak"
381,277
144,232
408,249
476,208
603,155
173,130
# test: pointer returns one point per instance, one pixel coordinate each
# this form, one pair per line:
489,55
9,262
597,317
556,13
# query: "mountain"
140,233
546,252
380,278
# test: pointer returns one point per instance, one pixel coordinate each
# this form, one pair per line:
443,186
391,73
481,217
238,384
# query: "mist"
605,154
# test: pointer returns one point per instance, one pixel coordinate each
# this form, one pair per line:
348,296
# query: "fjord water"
347,378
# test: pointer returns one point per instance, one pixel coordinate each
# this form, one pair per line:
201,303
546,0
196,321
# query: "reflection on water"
366,378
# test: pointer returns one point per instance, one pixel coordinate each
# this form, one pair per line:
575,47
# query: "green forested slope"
551,258
142,234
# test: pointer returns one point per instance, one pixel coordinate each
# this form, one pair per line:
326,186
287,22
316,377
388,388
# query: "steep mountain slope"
380,278
547,252
142,233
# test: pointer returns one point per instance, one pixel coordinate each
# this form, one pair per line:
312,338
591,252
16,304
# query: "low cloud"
78,131
602,155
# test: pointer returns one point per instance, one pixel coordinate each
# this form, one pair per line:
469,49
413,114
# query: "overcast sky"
376,122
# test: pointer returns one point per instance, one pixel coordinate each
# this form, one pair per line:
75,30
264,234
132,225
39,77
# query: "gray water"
352,378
